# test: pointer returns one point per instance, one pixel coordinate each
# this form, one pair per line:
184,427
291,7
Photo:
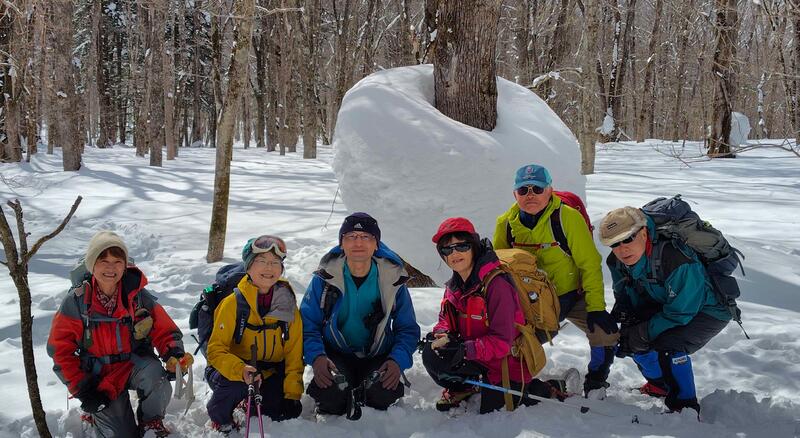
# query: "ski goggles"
627,240
269,243
524,190
460,247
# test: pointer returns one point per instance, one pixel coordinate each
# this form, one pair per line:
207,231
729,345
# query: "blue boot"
648,365
599,366
678,374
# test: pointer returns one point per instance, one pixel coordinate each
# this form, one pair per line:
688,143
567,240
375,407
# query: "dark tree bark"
67,99
726,29
17,263
464,66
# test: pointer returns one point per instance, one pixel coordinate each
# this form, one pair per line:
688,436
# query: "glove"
185,361
602,319
142,325
94,401
441,340
635,339
291,408
454,350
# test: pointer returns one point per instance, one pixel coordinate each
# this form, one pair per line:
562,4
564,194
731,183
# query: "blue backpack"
676,222
202,315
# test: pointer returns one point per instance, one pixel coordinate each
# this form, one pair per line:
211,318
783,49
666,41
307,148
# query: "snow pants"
333,399
228,394
149,380
668,364
447,376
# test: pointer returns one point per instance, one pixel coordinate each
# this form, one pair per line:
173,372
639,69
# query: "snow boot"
225,429
654,388
599,367
678,374
156,426
452,399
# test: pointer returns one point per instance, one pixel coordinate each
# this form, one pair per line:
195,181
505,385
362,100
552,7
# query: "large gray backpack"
676,222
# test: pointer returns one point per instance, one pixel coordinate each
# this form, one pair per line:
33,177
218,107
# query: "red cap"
453,225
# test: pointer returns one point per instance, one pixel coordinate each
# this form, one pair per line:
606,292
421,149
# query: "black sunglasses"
524,190
627,240
460,247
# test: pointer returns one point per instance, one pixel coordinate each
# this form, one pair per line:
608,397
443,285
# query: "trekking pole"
583,409
256,385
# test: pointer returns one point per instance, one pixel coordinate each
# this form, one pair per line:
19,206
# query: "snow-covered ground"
748,387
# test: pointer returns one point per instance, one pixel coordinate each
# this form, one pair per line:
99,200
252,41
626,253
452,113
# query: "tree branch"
55,232
23,236
10,246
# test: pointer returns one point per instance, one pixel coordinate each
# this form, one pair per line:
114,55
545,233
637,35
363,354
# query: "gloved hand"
635,339
440,340
142,324
602,319
322,367
455,351
94,401
185,361
291,408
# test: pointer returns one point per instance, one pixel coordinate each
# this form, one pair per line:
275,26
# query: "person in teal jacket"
663,321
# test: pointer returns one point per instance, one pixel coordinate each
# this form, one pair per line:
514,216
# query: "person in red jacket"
476,325
102,342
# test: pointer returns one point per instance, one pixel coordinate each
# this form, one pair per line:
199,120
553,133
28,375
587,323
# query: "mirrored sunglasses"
269,243
460,247
524,190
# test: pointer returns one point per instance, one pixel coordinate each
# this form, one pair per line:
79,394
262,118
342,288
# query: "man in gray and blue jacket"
359,327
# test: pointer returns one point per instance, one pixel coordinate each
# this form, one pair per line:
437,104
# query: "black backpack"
202,315
676,222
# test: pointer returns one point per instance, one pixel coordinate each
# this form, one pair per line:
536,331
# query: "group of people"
357,329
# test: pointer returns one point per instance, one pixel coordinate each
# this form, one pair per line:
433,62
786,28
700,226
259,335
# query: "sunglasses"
269,243
627,240
524,190
460,247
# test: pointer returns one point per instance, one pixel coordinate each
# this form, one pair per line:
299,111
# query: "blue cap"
532,175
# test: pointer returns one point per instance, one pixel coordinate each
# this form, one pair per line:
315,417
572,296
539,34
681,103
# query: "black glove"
94,402
635,339
291,408
602,319
454,353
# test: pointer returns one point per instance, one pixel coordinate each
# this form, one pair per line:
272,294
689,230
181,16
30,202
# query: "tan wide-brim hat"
101,242
620,224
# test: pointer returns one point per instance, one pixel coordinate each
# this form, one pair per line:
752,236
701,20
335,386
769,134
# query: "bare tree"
726,28
17,263
244,11
64,83
464,65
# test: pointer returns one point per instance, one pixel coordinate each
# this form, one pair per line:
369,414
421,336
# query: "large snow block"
399,159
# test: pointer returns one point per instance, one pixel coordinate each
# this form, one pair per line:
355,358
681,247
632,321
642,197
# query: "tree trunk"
643,127
260,48
588,135
726,29
308,24
557,50
157,115
168,88
464,66
197,132
236,87
342,54
67,97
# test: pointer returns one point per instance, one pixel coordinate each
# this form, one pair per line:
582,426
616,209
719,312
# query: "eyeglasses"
460,247
524,190
267,263
627,240
352,237
267,243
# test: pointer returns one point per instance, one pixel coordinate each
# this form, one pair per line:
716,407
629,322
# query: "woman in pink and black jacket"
476,325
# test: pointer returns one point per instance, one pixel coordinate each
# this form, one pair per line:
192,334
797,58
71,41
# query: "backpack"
567,198
676,222
539,302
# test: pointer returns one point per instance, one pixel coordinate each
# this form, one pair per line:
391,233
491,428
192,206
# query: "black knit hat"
360,222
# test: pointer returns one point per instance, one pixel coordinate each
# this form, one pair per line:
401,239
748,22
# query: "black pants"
450,376
333,400
228,394
690,337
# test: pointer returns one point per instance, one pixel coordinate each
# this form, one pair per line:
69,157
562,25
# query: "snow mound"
740,410
400,159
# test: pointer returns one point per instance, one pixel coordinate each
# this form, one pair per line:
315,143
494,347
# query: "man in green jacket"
558,236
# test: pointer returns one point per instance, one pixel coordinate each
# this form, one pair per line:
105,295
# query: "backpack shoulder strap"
242,313
328,298
509,236
666,257
558,231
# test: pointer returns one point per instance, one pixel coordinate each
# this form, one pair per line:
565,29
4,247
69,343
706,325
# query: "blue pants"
228,394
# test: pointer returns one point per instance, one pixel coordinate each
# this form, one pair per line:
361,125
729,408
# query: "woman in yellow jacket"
260,317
